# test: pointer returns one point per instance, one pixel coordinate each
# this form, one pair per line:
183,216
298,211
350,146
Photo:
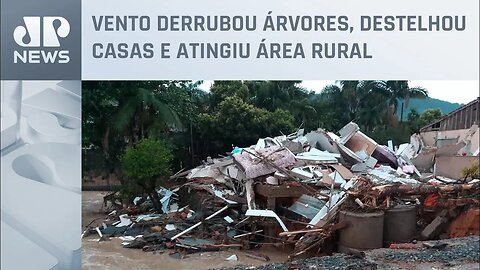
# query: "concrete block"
434,228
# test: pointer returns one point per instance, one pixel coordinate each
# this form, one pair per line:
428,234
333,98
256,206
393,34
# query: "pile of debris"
443,157
312,194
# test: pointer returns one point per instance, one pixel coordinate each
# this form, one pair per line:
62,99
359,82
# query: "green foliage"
361,101
412,120
413,115
372,105
239,123
147,161
416,121
145,165
420,105
429,116
400,93
397,133
273,95
471,172
276,122
121,113
223,89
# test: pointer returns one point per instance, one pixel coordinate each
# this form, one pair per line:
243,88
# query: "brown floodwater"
110,255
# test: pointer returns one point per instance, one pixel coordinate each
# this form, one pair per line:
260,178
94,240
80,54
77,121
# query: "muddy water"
110,255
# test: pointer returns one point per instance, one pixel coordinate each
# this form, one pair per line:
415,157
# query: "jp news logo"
41,46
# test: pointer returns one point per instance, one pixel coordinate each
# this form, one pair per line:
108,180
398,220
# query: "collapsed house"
312,193
452,142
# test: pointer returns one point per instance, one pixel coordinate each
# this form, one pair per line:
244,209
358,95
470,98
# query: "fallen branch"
386,190
245,234
301,231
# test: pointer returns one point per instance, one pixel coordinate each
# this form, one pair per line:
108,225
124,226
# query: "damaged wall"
452,166
430,137
461,118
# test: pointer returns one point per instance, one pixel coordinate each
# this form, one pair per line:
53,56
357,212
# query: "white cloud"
453,91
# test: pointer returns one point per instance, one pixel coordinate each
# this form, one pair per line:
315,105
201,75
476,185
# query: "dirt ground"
110,255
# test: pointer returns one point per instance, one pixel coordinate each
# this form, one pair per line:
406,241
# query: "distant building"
461,118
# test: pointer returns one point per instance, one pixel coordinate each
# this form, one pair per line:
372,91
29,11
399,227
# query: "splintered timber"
273,50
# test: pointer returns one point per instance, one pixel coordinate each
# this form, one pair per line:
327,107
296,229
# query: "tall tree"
273,95
116,114
239,123
223,89
401,92
373,114
351,97
147,163
429,116
413,123
357,94
141,109
331,107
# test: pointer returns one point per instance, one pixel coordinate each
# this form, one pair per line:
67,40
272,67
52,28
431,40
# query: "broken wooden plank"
344,172
199,223
301,231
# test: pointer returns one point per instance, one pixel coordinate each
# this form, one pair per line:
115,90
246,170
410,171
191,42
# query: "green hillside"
430,103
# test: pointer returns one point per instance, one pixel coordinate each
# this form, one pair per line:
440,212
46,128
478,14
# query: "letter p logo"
51,32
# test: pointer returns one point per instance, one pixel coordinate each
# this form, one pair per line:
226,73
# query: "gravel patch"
460,251
466,251
338,261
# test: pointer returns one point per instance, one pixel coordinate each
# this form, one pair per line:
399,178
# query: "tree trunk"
152,193
105,142
191,143
401,113
156,201
423,189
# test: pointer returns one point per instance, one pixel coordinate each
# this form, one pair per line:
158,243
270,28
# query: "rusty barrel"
364,231
400,224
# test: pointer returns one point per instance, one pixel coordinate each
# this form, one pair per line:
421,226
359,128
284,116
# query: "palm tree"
357,94
140,108
400,91
360,101
124,112
271,95
372,114
303,111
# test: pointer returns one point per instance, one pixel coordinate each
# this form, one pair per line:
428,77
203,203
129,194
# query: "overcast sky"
452,91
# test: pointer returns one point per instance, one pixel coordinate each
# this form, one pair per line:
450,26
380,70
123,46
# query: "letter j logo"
53,28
